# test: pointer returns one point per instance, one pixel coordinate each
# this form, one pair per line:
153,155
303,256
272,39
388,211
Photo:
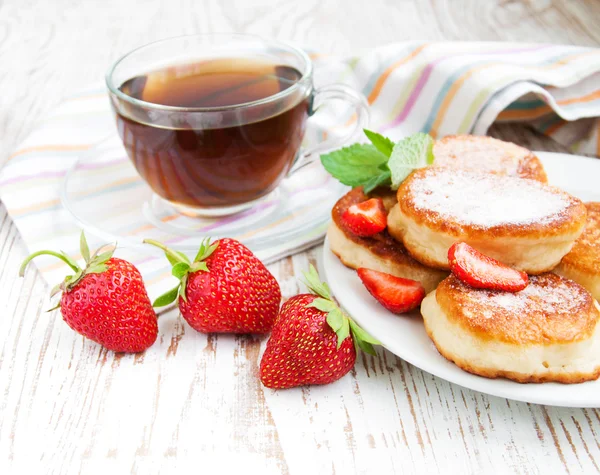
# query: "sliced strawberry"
366,218
483,272
396,294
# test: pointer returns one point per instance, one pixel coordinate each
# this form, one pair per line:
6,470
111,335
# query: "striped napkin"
439,88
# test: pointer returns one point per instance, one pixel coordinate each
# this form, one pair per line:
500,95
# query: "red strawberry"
226,289
483,272
396,294
366,218
106,301
312,340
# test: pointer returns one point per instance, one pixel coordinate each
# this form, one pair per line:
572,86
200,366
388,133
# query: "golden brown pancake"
523,223
582,264
379,252
489,155
547,332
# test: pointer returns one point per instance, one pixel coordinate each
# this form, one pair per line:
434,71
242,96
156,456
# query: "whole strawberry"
226,289
313,340
105,301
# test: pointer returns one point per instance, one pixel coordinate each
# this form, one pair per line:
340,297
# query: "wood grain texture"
194,401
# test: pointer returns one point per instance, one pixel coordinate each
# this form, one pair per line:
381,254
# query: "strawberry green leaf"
172,259
383,144
56,289
68,260
84,248
364,341
53,308
183,257
96,269
323,304
104,257
180,269
167,297
206,249
196,266
183,287
335,319
314,284
326,289
363,334
343,332
101,258
366,347
71,280
211,249
172,256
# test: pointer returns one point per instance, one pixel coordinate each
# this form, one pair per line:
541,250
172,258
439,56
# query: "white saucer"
106,196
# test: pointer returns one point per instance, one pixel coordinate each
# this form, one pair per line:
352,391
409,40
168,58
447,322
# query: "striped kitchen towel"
439,88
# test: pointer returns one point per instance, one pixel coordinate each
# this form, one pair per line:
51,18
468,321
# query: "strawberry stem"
173,256
63,257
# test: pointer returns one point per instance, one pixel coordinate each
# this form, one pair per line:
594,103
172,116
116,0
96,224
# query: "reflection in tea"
209,167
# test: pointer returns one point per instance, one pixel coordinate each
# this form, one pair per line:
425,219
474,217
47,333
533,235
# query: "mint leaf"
383,144
415,151
354,165
382,179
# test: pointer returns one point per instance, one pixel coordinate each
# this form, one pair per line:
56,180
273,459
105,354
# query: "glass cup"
220,159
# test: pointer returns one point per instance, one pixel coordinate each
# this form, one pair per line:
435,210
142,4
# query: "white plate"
405,335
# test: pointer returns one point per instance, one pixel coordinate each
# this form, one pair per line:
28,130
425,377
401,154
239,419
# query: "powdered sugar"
546,293
480,199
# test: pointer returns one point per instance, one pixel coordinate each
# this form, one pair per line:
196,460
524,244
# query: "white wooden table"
194,401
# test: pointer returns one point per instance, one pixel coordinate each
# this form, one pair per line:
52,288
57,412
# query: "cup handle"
322,95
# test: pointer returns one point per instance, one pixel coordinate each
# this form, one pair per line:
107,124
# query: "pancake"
489,155
582,264
379,252
547,332
525,224
387,195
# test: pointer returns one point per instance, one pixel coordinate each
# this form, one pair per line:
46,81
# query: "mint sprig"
415,151
383,144
337,319
356,165
380,163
